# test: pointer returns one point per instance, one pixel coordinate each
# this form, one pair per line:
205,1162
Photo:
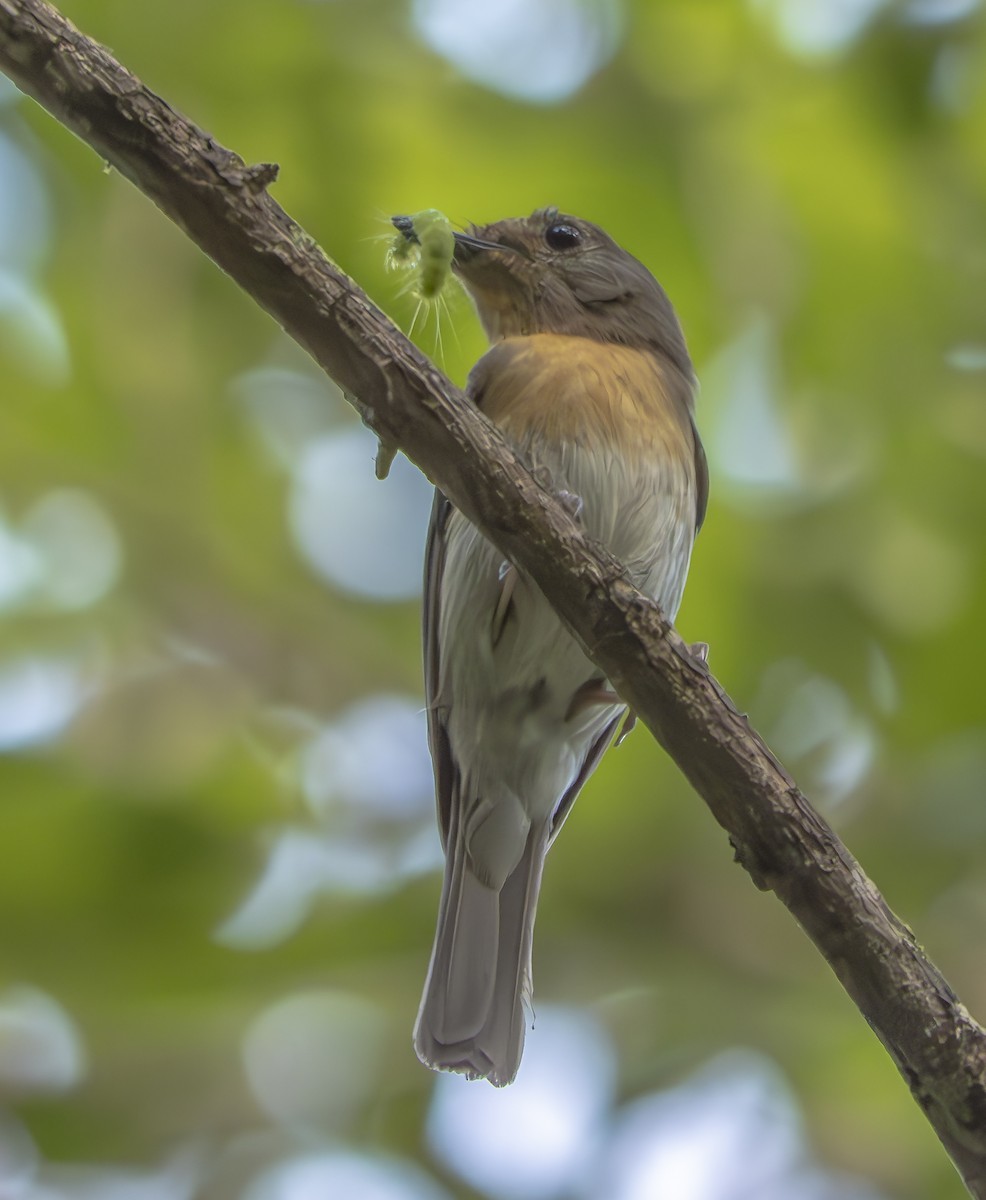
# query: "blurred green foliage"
813,198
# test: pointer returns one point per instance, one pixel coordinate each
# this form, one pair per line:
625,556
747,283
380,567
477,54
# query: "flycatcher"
589,375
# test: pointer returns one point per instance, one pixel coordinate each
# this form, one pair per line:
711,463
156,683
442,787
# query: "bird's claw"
572,503
628,723
507,575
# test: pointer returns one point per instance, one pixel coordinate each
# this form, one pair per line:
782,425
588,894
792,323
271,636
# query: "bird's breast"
599,397
611,425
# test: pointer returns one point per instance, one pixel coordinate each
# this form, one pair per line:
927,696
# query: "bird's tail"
472,1014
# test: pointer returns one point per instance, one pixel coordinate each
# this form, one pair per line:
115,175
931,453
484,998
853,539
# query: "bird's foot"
507,576
572,503
628,723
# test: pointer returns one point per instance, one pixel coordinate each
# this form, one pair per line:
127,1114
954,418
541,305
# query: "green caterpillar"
424,241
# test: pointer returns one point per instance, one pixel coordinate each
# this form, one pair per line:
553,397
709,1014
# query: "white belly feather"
507,703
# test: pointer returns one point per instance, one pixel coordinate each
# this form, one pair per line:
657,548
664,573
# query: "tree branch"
223,206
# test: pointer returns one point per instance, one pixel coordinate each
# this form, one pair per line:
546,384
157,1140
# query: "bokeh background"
218,861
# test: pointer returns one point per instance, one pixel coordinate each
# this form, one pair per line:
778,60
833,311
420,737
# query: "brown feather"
599,395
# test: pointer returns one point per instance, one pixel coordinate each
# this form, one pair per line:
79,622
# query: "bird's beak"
470,249
467,242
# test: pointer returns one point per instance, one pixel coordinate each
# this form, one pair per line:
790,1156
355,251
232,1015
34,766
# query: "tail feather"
472,1014
465,959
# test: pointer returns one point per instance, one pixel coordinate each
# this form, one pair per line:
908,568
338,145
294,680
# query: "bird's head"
554,273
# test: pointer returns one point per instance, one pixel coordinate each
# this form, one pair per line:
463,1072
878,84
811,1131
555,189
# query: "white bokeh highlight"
536,1138
815,722
939,12
39,696
374,760
32,337
366,779
21,566
817,28
967,356
78,548
41,1050
766,445
750,444
25,211
179,1178
364,536
313,1059
19,1158
729,1132
536,50
63,555
287,409
342,1174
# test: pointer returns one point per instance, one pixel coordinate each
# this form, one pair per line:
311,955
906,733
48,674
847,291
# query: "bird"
589,376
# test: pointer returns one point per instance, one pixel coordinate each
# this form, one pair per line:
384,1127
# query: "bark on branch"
223,206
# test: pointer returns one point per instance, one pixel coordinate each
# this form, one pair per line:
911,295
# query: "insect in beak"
405,225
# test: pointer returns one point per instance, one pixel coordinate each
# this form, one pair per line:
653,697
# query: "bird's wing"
446,772
445,768
701,479
589,764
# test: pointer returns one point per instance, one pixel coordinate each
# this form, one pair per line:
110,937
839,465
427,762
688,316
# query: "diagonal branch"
223,206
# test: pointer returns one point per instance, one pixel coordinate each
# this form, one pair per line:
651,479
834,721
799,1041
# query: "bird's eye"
562,237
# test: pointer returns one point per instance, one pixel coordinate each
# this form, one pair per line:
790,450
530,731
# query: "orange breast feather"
596,395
